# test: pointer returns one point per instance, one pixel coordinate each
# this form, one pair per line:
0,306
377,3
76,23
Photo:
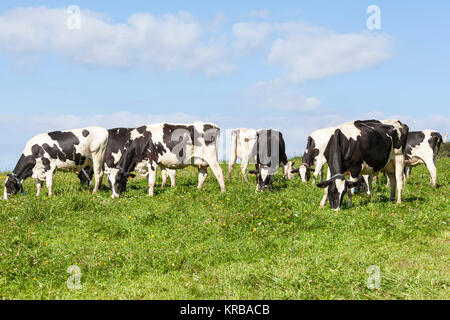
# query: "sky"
296,66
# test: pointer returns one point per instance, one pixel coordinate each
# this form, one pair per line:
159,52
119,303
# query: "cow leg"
318,171
217,170
369,184
392,183
98,161
49,181
151,178
39,184
202,175
432,169
323,202
244,166
350,191
231,165
399,166
164,175
172,174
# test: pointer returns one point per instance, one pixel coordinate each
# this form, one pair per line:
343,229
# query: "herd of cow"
359,149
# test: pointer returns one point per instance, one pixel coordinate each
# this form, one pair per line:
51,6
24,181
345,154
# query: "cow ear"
253,172
295,170
130,175
324,184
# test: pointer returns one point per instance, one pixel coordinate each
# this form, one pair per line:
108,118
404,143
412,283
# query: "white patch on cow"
350,131
264,171
39,170
116,156
135,134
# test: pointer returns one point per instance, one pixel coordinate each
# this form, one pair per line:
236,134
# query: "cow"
364,147
117,141
243,143
422,147
62,150
314,154
270,152
170,146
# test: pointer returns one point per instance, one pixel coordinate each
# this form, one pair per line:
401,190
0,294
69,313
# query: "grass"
186,244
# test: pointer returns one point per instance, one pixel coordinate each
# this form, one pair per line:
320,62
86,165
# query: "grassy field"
186,244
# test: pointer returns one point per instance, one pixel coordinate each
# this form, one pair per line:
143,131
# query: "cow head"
12,186
337,186
117,181
85,175
264,178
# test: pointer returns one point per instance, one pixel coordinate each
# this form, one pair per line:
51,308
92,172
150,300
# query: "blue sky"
292,65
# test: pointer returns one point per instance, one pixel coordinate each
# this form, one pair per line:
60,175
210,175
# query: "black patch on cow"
169,138
435,142
311,153
414,139
210,133
67,142
137,150
117,141
85,133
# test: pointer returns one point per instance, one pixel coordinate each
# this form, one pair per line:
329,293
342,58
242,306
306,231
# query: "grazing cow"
364,147
243,143
117,141
172,146
314,154
63,150
423,147
270,153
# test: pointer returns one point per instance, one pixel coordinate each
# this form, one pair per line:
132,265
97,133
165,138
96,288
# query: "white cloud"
315,56
307,52
251,35
168,42
279,95
180,42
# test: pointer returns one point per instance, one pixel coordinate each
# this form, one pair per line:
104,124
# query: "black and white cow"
364,147
243,143
62,150
117,141
314,154
171,146
270,153
423,147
